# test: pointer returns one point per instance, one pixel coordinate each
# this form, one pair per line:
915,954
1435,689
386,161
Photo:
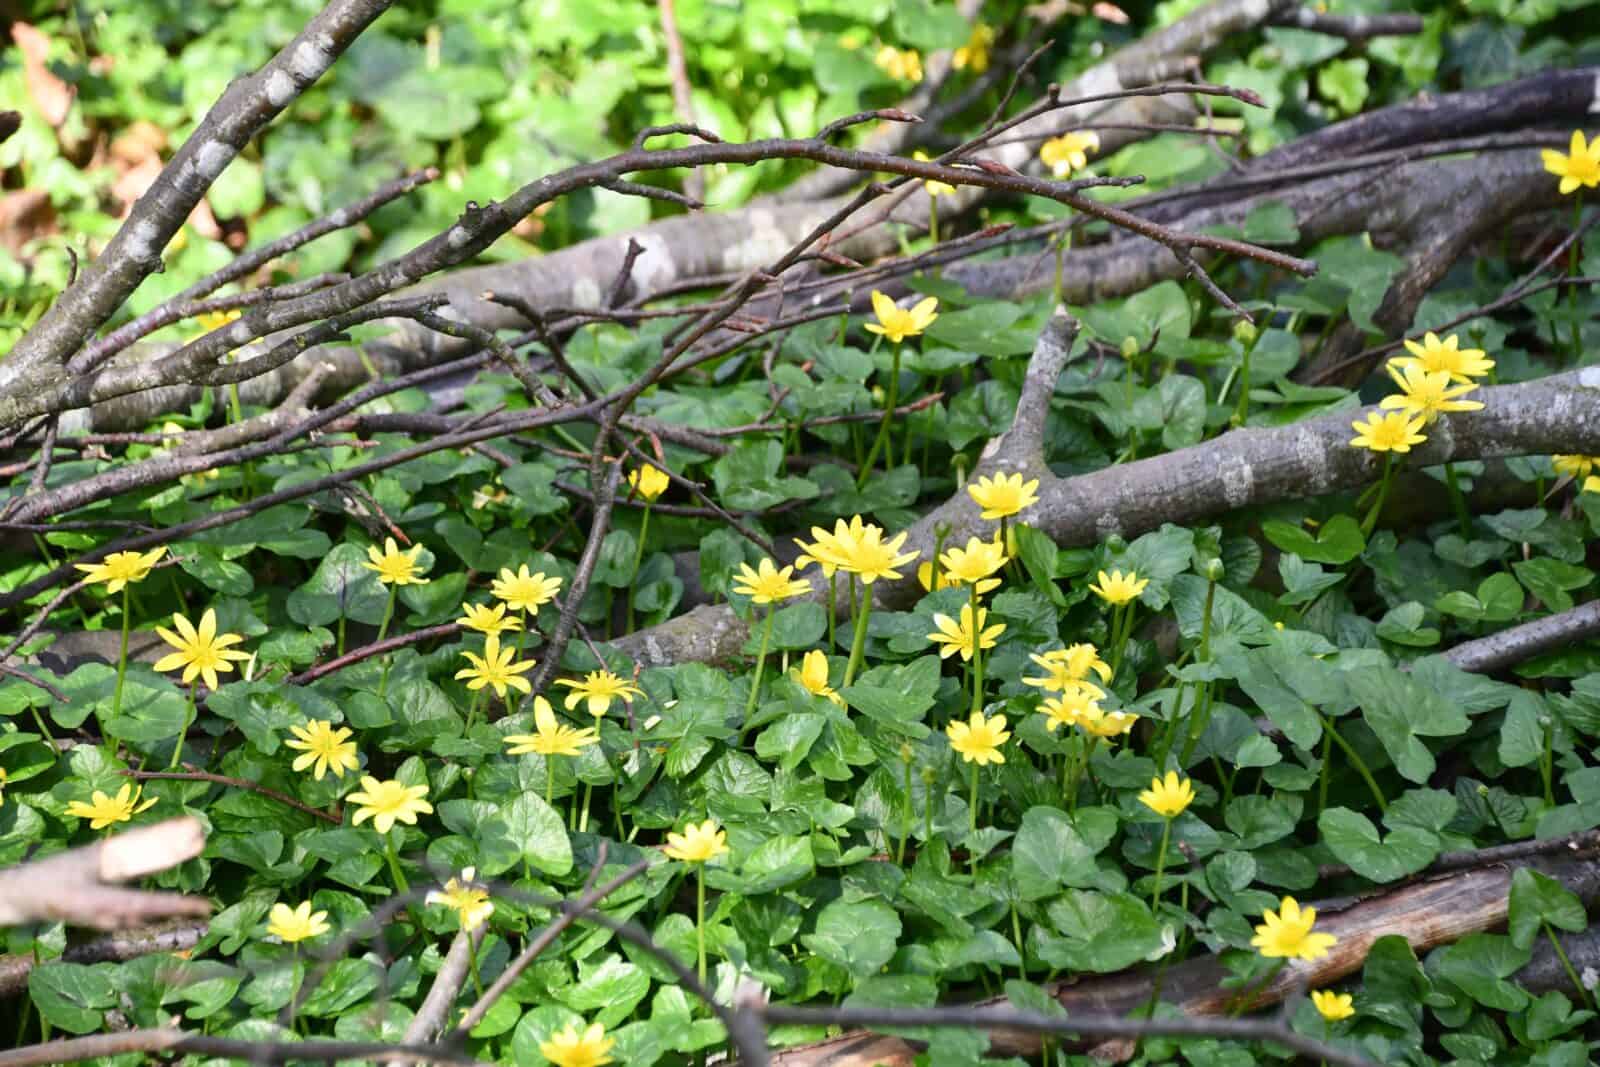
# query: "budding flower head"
1130,348
1244,331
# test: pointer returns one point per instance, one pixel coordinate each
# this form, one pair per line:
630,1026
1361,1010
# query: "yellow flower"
974,564
812,674
487,620
1580,166
1393,431
1428,395
122,568
470,903
1069,152
290,925
3,777
1068,666
828,549
974,55
1168,796
896,323
1286,934
979,739
102,811
568,1048
599,688
551,738
324,746
1575,466
1432,355
1072,705
697,843
201,651
648,481
905,66
1591,484
495,669
1118,588
934,187
386,802
1333,1006
925,578
1004,494
395,567
523,591
768,585
869,557
953,637
1100,723
215,320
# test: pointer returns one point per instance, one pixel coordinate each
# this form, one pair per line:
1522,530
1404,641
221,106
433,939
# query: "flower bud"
1130,348
1244,331
1212,569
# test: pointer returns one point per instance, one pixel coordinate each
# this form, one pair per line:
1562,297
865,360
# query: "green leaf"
1352,838
777,862
72,996
897,697
1552,580
1403,626
1337,541
859,936
537,830
1479,965
1522,734
1536,900
1400,710
1101,932
1499,598
1049,855
341,586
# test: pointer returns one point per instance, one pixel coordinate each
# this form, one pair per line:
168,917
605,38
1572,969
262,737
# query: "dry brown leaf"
51,95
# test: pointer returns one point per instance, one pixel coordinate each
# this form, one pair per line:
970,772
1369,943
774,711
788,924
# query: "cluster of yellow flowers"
1432,380
903,65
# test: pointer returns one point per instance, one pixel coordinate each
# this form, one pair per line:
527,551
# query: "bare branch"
79,886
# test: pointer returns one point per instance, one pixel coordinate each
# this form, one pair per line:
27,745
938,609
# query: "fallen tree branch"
79,886
175,936
1515,644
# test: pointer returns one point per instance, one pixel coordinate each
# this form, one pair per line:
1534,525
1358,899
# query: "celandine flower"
978,740
905,66
897,323
1434,355
103,811
324,747
974,564
495,669
965,637
1066,666
1287,934
1580,167
470,903
769,584
395,567
201,651
488,620
1390,431
869,557
599,688
932,185
1069,152
1004,495
812,674
974,55
122,568
291,925
1118,588
551,738
698,842
522,591
1333,1006
1427,395
1169,796
1070,707
568,1048
386,803
649,482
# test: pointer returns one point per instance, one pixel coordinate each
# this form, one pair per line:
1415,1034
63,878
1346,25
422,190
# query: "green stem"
905,823
1547,764
1572,272
972,810
394,863
583,819
833,608
383,629
977,656
1457,501
549,778
858,643
891,399
1016,935
1356,761
1583,993
472,958
1161,865
183,734
122,670
761,667
700,918
638,558
1383,492
1327,760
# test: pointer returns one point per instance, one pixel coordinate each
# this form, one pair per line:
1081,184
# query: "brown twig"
192,774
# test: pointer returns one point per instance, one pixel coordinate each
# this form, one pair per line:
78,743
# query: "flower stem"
891,398
383,629
905,822
833,607
638,558
972,811
549,778
977,656
1457,501
394,864
1383,492
1357,762
1161,865
700,918
122,670
183,734
755,684
1584,996
583,819
858,643
472,959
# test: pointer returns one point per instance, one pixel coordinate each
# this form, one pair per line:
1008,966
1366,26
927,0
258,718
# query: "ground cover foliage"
661,686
